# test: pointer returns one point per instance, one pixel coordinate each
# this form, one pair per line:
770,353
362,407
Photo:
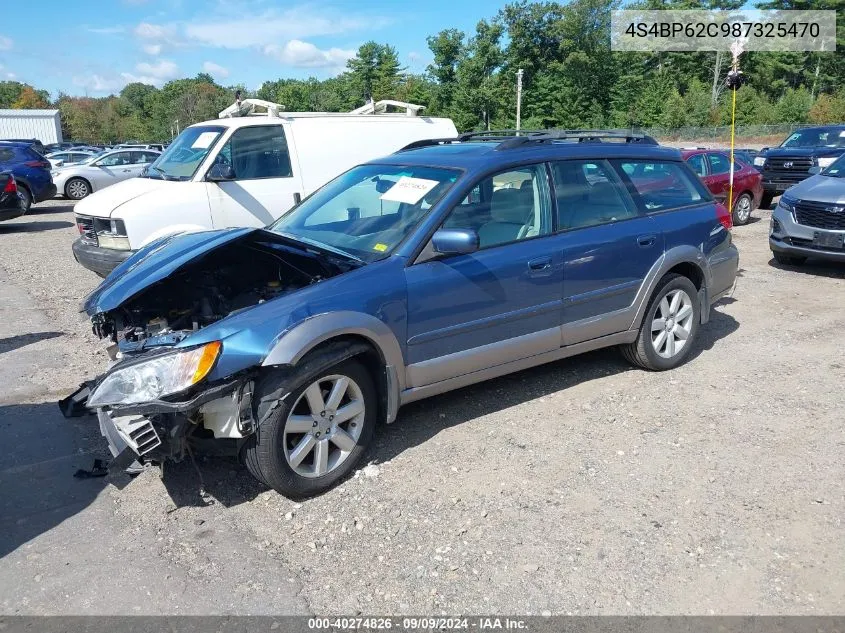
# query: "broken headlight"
160,376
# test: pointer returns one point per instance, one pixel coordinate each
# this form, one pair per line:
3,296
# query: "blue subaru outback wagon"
448,263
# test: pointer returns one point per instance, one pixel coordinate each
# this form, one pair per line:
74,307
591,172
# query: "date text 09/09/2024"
418,624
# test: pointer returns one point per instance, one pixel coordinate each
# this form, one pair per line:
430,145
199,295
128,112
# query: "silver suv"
809,220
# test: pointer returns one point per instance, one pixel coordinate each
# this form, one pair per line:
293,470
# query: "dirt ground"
583,487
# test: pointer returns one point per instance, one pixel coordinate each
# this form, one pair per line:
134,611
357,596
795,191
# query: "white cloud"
156,32
271,27
215,69
107,30
5,43
98,83
164,69
306,55
152,49
11,76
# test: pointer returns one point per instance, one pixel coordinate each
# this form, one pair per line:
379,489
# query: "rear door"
719,180
608,247
266,178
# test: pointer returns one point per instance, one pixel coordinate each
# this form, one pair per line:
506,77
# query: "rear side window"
6,155
719,163
662,185
258,152
589,193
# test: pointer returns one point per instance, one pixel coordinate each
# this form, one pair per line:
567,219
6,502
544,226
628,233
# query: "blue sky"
95,47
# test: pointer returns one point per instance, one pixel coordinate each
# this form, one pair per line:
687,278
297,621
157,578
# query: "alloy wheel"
77,189
672,323
324,426
743,209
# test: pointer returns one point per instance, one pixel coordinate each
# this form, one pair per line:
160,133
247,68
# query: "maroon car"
714,166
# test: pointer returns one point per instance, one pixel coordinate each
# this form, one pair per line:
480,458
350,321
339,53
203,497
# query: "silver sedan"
101,171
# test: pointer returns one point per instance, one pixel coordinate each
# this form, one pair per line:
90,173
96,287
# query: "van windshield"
183,156
369,210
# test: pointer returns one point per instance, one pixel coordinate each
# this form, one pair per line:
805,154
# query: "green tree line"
571,79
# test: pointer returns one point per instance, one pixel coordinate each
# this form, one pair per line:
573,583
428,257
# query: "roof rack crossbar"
428,142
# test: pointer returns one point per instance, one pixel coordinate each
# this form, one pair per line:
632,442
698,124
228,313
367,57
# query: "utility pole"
518,98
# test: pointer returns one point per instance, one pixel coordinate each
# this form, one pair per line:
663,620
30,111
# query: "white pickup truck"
242,169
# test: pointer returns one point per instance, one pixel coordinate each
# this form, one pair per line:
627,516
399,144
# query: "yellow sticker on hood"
380,247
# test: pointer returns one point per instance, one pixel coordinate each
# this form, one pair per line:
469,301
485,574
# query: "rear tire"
766,201
741,213
27,198
788,260
77,188
301,451
669,327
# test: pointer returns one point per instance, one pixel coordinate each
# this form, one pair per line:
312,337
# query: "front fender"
296,342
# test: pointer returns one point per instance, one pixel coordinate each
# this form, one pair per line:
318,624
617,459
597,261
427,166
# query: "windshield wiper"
164,174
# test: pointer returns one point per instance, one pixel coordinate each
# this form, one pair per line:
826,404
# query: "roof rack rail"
581,136
428,142
380,107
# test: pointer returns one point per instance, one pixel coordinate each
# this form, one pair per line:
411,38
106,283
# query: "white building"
43,125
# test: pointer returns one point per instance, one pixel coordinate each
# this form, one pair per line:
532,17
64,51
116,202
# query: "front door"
111,168
608,248
265,178
500,303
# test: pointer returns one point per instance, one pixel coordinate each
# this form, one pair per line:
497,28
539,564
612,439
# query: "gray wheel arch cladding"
297,341
673,257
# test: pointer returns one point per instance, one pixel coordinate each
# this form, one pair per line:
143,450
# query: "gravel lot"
583,487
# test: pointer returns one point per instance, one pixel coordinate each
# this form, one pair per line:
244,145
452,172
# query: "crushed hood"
155,262
102,204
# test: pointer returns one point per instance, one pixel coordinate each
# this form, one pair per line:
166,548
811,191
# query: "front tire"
669,327
77,188
742,209
316,435
788,260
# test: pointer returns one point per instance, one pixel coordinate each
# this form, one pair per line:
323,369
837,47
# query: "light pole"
518,98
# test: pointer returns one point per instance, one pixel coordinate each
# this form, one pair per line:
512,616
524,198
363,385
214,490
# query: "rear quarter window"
662,185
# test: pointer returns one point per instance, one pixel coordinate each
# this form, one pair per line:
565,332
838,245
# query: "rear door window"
719,163
259,151
661,185
589,193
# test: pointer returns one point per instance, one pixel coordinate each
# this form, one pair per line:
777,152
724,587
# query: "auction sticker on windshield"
409,190
205,140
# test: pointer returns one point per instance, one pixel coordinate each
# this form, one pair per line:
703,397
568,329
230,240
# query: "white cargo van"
242,169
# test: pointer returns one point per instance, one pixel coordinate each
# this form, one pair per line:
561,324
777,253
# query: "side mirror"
815,169
455,241
220,173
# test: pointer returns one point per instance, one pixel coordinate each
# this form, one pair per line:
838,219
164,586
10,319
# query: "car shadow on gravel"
53,208
416,424
33,227
21,340
815,267
37,488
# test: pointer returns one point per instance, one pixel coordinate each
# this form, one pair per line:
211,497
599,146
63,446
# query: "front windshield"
183,156
836,169
368,210
816,138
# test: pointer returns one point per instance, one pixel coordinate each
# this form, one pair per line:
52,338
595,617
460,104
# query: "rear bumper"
46,193
723,268
98,259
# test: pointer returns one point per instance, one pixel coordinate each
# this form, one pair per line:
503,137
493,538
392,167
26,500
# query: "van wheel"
317,434
77,188
669,326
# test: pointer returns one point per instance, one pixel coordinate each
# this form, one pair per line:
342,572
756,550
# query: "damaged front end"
166,394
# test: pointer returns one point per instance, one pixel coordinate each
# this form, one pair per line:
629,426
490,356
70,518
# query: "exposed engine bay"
234,277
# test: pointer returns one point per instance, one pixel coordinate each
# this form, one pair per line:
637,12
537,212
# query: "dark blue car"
30,169
443,265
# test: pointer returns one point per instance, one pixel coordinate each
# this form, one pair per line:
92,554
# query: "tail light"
724,216
11,185
38,163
